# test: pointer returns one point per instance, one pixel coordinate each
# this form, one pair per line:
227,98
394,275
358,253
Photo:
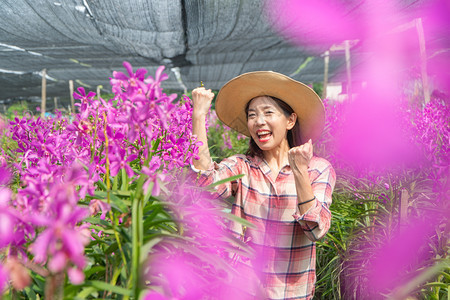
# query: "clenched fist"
300,156
201,99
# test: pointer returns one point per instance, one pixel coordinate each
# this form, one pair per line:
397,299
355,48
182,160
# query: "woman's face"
267,123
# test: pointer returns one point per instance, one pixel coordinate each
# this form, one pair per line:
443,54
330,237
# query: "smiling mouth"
264,135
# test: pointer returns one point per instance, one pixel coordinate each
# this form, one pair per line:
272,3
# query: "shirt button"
273,206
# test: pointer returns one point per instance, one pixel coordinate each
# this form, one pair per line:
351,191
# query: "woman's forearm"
304,190
299,159
199,129
201,103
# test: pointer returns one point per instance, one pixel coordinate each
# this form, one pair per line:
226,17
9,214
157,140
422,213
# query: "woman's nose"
260,120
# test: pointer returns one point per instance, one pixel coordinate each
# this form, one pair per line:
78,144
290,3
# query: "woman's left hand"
300,156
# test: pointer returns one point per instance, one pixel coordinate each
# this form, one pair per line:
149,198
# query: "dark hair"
253,148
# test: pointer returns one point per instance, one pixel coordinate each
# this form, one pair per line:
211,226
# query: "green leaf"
225,180
149,223
103,286
30,293
238,220
119,203
404,290
155,144
154,208
437,284
98,221
94,269
145,249
113,247
85,292
116,202
102,185
122,193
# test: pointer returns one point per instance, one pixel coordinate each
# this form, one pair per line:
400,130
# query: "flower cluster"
59,163
431,130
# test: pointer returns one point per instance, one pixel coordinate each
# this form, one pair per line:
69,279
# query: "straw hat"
236,93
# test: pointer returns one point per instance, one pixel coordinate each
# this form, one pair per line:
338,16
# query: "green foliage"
318,88
18,108
330,251
224,142
365,217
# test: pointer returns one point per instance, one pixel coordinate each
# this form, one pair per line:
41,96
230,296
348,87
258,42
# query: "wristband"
307,201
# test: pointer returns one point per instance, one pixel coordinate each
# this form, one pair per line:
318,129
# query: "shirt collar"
264,166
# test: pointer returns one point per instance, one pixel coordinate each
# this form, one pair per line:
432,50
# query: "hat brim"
236,93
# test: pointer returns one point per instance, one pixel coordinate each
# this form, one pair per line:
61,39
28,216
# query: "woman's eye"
251,115
269,112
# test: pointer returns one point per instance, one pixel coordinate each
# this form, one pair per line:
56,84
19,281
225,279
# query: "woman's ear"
291,121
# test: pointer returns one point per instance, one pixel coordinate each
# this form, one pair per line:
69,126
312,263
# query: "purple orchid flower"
85,101
61,242
153,176
97,205
7,221
119,161
130,84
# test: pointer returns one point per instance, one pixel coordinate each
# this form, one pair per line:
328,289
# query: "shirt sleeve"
316,221
228,167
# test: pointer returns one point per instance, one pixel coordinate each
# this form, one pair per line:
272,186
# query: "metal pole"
43,92
72,102
326,61
404,200
98,91
349,74
176,71
423,60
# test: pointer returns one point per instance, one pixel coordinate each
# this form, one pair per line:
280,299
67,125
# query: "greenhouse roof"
207,40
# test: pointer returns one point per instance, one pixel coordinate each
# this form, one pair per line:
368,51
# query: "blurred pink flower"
97,205
152,295
18,274
61,242
4,278
397,256
76,275
315,24
386,33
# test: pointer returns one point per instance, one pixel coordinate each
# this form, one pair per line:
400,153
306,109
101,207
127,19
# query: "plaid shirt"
284,237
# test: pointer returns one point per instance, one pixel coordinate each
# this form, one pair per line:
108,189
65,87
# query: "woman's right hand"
201,100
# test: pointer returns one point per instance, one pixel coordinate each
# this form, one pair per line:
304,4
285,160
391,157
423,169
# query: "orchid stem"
108,196
95,137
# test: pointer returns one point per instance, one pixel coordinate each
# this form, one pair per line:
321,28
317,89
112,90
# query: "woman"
286,192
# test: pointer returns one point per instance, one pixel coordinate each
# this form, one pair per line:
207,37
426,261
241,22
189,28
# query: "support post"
403,209
43,92
72,102
176,71
55,99
423,60
348,66
326,61
98,91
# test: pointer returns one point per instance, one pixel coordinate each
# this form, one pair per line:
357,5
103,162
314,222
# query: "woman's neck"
277,157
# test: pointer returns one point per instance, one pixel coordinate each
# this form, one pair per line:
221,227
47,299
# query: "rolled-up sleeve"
227,168
316,221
